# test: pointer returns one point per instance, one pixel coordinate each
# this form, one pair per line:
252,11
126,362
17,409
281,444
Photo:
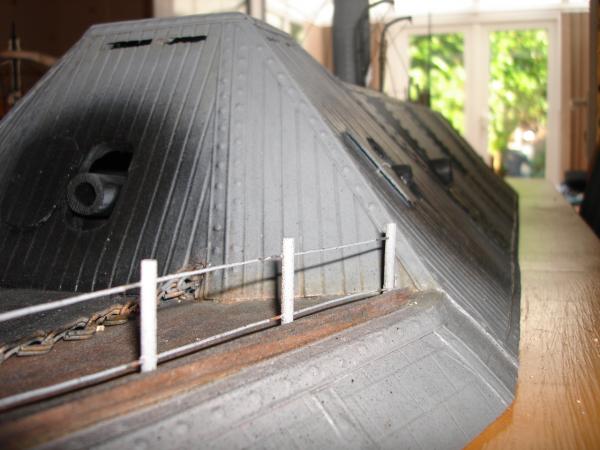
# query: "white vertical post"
148,327
287,281
389,269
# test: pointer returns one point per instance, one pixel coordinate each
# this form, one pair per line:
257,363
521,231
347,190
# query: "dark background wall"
53,26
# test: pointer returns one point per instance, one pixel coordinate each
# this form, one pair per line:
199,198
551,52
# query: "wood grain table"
558,394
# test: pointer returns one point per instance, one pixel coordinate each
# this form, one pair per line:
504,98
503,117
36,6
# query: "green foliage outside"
297,32
518,87
447,75
518,74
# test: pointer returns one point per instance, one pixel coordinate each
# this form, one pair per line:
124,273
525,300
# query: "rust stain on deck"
50,424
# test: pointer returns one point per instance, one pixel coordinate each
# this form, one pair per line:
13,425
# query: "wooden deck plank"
558,394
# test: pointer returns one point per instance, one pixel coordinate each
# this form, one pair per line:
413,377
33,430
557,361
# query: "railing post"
148,332
389,266
287,281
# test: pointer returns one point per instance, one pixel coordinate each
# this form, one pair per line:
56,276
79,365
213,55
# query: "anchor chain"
41,342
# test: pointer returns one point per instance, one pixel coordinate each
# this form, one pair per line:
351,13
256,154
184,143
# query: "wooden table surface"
558,394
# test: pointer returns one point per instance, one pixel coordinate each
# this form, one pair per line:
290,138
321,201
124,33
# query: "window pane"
447,83
518,100
420,7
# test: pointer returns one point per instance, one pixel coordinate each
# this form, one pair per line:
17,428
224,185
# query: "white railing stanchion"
389,261
287,281
148,327
149,358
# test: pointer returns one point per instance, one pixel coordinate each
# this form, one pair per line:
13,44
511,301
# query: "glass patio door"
437,71
518,101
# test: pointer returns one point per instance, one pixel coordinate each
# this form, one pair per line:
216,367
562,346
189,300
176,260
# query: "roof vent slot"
187,39
379,151
129,44
442,168
404,171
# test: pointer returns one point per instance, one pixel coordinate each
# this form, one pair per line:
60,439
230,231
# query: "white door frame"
476,28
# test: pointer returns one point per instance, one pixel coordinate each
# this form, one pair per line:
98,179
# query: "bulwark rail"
150,358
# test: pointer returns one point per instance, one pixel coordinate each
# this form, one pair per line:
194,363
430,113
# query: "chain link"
41,342
187,288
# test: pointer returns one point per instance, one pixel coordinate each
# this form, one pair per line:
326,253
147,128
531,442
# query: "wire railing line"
203,343
66,386
209,269
333,302
56,304
149,358
338,247
114,372
34,309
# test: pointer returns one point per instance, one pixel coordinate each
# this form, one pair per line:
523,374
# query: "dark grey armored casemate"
207,139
